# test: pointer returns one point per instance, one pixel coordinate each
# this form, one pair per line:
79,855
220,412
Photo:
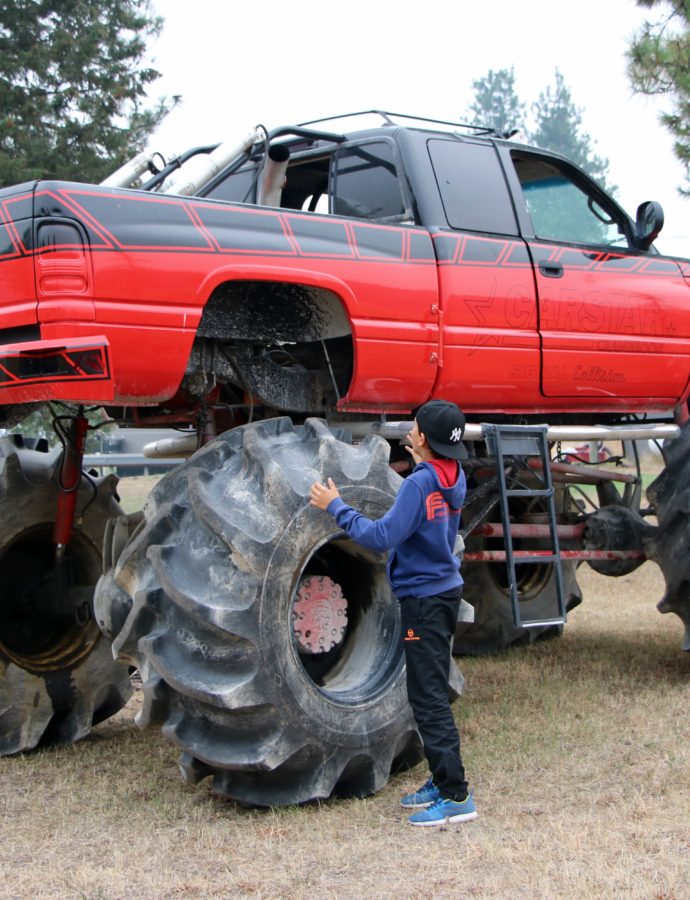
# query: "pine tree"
558,127
659,63
496,104
73,88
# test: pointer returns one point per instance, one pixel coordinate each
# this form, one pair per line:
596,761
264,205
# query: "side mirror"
648,224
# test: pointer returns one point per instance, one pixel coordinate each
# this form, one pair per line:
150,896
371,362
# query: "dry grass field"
578,751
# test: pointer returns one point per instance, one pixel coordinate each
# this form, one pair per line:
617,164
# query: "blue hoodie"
420,528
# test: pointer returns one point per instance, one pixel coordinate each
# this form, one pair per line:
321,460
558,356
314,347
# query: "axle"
500,555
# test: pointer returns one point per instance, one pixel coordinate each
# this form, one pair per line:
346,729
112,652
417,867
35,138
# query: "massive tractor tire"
57,677
669,494
267,641
493,629
487,590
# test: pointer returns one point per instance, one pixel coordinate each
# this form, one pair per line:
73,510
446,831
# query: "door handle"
551,269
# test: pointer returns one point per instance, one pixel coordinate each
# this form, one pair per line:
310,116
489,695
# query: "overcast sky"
238,64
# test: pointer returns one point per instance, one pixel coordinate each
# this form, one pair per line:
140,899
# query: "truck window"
306,185
305,188
472,186
565,209
365,182
240,187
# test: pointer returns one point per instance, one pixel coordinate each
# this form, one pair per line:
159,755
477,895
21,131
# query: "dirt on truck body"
287,301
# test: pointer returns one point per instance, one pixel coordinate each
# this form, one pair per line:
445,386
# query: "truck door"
489,352
614,321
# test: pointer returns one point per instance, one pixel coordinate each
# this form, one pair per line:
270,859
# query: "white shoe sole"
449,820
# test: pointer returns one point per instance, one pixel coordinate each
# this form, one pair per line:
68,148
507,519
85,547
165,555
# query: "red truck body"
465,316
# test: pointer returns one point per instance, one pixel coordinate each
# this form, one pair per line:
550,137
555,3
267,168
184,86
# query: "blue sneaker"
444,811
422,797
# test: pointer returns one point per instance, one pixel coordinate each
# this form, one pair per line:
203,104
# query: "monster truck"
286,302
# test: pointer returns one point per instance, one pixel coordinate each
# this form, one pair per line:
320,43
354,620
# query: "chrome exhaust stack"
273,175
199,170
128,174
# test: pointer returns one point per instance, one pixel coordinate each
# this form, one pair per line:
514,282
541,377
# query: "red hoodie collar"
447,470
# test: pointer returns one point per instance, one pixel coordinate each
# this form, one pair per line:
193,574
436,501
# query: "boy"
421,528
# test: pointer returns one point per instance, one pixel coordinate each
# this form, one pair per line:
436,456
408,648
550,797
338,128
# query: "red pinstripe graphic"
352,242
287,231
504,254
12,232
406,246
199,225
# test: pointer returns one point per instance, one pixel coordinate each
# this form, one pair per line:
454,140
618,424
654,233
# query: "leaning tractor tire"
487,590
669,494
267,641
57,677
493,629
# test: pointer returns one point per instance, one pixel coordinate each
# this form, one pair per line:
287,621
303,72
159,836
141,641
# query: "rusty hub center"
319,614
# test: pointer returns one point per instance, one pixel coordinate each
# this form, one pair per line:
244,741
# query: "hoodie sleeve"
401,520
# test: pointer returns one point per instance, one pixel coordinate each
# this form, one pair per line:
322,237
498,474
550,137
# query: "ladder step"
525,556
520,445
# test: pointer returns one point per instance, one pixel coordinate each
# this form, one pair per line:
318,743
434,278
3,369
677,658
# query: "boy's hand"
321,496
415,456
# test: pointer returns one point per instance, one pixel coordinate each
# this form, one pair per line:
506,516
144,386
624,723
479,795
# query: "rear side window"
472,186
366,183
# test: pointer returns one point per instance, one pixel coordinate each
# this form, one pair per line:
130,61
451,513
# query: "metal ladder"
506,441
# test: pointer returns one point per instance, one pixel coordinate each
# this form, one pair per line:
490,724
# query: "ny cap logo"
455,435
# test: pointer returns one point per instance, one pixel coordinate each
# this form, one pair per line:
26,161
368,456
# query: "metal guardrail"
128,460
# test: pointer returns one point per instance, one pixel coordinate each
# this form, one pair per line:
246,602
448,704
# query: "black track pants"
428,626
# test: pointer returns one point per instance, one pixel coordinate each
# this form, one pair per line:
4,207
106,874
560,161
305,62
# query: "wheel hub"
40,630
319,614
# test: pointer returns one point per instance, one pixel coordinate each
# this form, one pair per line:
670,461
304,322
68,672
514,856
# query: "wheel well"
289,345
273,311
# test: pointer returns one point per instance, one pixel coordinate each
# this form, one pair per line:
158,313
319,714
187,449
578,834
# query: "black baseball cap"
443,425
